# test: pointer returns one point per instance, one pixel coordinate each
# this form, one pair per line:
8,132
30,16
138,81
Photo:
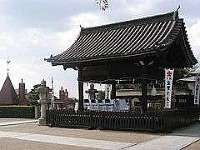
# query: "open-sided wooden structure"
139,49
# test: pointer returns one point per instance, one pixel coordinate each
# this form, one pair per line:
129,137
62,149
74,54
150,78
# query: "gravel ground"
15,144
108,135
116,136
191,131
194,146
12,119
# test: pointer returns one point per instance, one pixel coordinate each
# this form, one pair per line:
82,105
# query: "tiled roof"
8,95
126,39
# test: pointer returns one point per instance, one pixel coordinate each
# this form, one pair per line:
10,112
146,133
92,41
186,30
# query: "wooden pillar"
113,94
144,95
80,90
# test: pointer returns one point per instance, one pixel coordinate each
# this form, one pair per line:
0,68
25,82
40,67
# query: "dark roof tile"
135,37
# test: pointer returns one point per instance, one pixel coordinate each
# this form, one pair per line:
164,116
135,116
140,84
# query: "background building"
64,102
8,96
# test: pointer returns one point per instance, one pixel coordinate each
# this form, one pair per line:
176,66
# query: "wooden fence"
164,121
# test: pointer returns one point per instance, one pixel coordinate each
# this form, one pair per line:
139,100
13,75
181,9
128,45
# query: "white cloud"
34,71
27,47
27,37
88,19
194,37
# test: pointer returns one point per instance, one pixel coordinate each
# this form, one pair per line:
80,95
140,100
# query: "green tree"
33,95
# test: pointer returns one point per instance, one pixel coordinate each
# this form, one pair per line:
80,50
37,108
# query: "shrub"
17,112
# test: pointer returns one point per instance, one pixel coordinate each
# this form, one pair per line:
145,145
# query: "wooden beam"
113,93
144,95
80,90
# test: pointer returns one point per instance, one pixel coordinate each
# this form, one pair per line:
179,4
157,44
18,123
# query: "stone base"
42,122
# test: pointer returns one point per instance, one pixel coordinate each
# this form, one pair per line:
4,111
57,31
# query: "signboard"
169,73
197,90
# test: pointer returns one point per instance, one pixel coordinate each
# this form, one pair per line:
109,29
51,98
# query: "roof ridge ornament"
175,16
81,27
103,4
8,62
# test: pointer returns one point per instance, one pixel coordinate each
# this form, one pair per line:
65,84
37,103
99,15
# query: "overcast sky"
31,30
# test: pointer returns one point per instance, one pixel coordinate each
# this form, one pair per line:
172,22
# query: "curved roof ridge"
143,20
134,38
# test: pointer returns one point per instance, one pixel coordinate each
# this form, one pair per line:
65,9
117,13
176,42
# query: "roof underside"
128,39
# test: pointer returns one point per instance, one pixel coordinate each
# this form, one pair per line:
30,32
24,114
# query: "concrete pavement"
7,123
81,142
28,135
164,142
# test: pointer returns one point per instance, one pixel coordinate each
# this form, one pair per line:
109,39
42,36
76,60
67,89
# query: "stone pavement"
106,135
2,120
30,136
165,143
81,142
6,123
193,146
15,144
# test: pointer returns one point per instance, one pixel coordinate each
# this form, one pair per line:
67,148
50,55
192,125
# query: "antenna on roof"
176,13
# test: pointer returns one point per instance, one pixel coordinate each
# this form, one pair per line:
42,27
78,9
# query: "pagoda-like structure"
8,94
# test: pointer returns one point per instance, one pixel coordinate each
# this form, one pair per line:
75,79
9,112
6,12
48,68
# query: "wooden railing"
164,121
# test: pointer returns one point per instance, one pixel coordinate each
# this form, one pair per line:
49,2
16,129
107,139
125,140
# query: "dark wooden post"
144,95
113,94
80,90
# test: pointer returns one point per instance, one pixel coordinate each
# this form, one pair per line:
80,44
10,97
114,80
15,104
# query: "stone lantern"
43,94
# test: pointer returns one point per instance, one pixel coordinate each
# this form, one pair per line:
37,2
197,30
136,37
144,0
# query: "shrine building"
138,49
